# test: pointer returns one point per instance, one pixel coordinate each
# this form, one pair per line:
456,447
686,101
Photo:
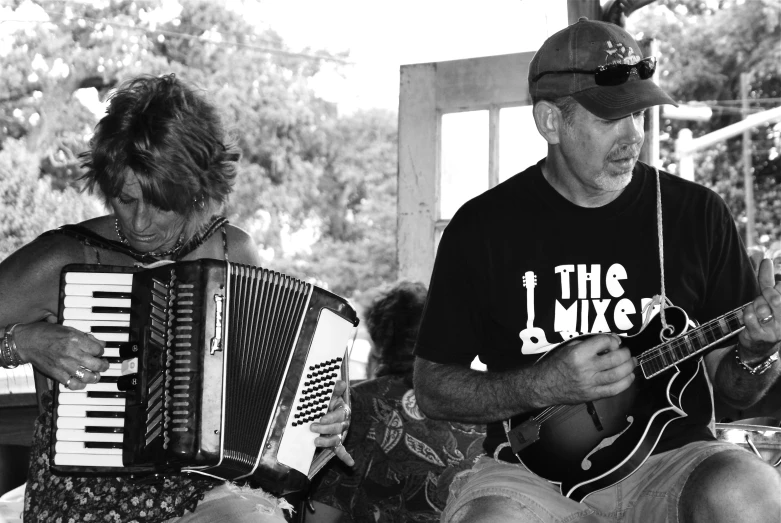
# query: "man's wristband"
759,368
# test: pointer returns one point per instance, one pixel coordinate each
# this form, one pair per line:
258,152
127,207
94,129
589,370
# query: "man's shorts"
650,494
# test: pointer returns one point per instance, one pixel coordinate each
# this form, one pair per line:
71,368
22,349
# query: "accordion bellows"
215,368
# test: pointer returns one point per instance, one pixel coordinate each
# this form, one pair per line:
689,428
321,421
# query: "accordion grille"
266,311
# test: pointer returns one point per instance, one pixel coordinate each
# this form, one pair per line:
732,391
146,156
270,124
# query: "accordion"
215,368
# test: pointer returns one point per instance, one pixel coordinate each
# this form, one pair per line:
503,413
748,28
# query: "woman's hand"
332,427
65,354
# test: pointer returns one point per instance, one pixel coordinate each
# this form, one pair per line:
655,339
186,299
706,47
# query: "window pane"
520,145
464,159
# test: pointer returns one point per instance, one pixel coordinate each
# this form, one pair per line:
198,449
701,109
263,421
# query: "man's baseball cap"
584,47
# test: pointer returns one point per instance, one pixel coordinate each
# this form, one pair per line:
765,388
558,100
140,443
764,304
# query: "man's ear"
549,121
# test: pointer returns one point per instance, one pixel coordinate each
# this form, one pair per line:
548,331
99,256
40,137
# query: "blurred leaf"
704,50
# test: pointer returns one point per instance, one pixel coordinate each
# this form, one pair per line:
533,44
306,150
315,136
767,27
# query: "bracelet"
5,349
10,359
4,363
759,368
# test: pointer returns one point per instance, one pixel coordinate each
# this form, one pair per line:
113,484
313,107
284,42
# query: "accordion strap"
198,240
91,238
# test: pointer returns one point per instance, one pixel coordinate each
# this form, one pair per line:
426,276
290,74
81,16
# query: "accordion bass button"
129,366
128,350
127,383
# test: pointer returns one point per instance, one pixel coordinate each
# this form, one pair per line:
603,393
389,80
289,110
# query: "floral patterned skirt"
70,499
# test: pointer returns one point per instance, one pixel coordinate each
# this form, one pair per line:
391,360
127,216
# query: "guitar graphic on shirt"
533,337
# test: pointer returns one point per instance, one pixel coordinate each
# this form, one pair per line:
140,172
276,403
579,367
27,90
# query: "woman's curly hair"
171,138
392,320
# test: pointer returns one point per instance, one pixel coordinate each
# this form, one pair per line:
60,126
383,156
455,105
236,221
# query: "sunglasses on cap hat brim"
612,74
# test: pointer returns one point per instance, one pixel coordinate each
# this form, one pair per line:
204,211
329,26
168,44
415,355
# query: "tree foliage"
354,202
705,47
306,171
29,205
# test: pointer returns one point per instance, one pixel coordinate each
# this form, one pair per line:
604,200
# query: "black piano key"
102,445
104,430
108,328
111,310
105,414
107,294
97,394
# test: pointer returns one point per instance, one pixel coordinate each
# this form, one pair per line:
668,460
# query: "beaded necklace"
123,239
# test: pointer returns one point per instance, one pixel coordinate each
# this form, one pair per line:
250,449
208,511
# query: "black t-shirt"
521,269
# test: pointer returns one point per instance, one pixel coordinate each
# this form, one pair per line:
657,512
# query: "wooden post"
588,8
419,125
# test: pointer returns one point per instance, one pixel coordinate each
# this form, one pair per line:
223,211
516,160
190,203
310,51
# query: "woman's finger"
343,455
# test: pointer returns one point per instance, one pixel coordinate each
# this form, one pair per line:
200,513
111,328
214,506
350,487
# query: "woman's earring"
199,203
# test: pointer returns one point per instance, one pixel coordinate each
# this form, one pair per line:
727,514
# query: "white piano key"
65,422
114,369
88,460
89,316
81,435
86,326
111,352
19,380
112,336
100,278
80,398
91,387
86,302
78,447
74,289
80,411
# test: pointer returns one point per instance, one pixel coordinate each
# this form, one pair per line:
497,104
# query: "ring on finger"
80,373
68,382
766,319
347,411
340,440
97,376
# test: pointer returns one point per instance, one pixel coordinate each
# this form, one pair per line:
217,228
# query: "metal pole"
650,150
685,156
719,135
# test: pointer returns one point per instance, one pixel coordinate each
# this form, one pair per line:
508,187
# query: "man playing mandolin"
609,302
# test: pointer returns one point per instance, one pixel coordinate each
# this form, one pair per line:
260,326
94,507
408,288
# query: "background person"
585,242
161,161
404,461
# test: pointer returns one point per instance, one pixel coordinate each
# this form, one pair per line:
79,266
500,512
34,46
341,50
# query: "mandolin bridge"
524,435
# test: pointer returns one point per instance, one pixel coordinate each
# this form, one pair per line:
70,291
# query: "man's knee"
732,486
490,509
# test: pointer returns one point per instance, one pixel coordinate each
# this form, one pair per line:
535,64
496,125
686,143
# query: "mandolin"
592,446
